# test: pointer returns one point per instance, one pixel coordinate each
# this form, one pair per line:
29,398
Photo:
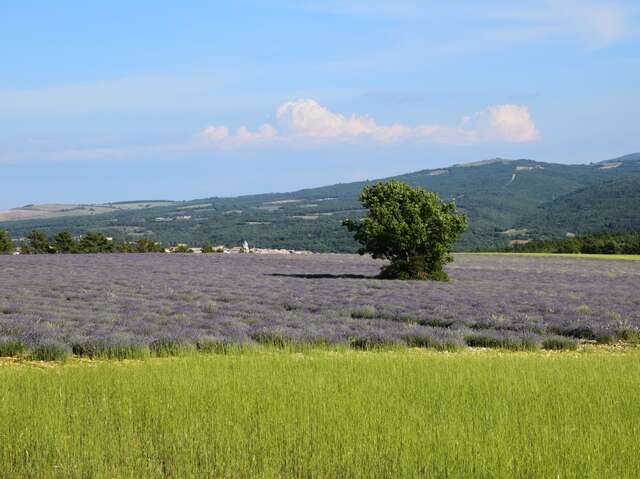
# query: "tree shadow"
322,276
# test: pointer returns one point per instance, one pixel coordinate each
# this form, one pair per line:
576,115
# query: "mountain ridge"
499,195
624,158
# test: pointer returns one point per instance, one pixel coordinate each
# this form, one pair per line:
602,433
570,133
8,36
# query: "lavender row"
150,300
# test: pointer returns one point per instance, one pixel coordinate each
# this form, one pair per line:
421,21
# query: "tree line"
64,243
602,243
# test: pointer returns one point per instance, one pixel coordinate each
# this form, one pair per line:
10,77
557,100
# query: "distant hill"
611,206
505,200
625,158
30,212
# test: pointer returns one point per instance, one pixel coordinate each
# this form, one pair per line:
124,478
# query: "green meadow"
321,413
607,257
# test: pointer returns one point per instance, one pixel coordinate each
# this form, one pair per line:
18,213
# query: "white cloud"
500,123
265,132
221,135
308,124
307,118
508,123
305,121
213,133
600,24
596,23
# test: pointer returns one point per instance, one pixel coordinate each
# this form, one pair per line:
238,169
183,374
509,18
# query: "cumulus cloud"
308,124
500,123
307,118
305,121
508,123
221,135
265,132
213,133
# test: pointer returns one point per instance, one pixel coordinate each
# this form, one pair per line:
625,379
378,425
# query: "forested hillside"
505,200
612,206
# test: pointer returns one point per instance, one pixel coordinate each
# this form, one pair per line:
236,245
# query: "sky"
121,100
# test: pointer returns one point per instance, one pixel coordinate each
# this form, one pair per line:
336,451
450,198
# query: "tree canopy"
91,242
6,245
411,227
602,243
38,243
64,243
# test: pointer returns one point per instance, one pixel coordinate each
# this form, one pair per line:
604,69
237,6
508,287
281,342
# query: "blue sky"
107,101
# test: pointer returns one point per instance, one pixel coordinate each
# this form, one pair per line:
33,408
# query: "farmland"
180,301
407,413
309,366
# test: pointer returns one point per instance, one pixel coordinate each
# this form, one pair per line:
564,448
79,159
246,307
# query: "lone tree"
411,227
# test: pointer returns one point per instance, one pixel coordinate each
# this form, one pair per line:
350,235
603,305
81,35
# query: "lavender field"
202,300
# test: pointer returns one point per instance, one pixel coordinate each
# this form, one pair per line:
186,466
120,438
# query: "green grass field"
617,257
408,413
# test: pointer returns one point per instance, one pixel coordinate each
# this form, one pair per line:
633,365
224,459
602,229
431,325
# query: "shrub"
9,309
558,343
10,348
371,341
210,307
211,249
605,339
436,323
213,345
289,306
181,248
583,332
271,339
144,245
440,344
102,349
364,312
628,334
575,331
51,351
404,318
583,310
165,347
502,341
